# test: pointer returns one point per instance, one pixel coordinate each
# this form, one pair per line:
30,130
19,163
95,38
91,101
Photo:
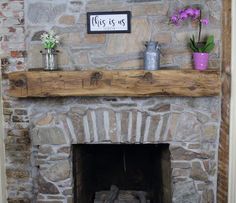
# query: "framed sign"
109,22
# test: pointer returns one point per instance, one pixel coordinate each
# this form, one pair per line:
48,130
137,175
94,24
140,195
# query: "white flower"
49,40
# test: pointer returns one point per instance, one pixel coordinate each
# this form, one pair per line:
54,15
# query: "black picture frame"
109,13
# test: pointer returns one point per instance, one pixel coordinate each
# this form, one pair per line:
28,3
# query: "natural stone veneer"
23,23
188,125
44,12
150,21
131,125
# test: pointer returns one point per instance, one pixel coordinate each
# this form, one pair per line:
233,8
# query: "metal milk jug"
152,56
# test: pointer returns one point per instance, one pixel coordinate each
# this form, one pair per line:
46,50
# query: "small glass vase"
49,57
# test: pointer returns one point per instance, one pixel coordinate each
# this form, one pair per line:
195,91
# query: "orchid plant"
49,40
194,14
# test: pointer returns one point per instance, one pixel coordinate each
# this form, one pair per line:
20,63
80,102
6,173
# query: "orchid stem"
200,27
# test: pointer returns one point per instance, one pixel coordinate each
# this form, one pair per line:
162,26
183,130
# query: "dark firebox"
144,168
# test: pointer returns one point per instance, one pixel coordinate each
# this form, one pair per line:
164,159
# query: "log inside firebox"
121,196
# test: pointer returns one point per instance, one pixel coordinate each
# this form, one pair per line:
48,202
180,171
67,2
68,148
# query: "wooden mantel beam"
138,83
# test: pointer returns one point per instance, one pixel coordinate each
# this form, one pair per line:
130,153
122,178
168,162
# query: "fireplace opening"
124,173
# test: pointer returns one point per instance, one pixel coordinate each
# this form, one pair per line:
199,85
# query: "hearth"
131,173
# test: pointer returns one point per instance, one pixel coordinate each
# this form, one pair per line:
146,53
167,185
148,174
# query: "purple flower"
204,21
174,19
197,13
190,12
181,11
183,15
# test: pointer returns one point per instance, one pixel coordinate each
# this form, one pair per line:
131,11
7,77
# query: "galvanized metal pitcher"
152,56
50,59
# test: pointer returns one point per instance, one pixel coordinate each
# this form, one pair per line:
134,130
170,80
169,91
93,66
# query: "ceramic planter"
200,61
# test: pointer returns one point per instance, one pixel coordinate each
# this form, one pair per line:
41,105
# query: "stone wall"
150,21
190,126
199,117
17,140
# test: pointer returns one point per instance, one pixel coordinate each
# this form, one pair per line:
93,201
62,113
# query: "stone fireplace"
79,148
43,136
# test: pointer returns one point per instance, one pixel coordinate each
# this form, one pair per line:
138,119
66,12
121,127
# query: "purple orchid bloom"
190,12
181,11
183,15
193,14
174,19
204,21
197,13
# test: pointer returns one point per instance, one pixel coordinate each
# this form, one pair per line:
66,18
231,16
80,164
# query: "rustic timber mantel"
138,83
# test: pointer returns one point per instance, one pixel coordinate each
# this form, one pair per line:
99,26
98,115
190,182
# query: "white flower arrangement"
49,40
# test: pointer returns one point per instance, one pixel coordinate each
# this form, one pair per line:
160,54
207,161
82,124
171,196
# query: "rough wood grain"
136,83
223,156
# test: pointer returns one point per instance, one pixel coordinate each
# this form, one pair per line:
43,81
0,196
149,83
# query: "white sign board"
109,22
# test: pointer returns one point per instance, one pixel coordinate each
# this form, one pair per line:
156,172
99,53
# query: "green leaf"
193,44
209,48
210,40
194,39
193,47
200,50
